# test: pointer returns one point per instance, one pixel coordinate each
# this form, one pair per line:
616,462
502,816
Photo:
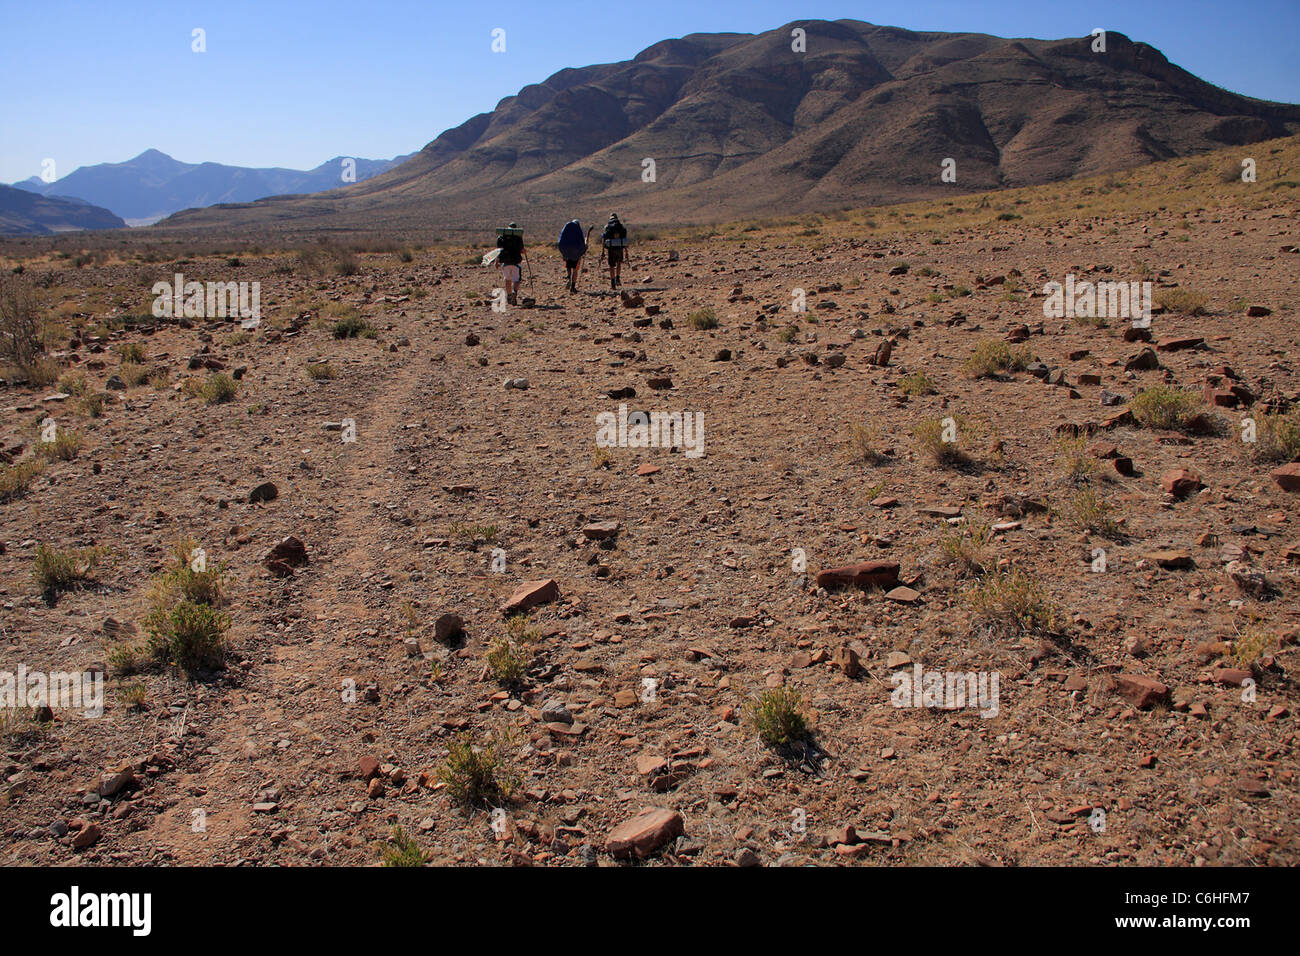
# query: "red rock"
1259,311
369,767
1221,397
644,470
1232,676
1180,482
1177,344
847,660
903,595
645,833
288,554
88,835
1172,560
600,530
867,574
1141,691
1287,477
647,764
530,594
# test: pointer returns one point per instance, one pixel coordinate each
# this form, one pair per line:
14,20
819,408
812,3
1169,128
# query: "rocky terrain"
395,535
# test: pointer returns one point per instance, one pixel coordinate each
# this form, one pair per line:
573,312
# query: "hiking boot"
510,299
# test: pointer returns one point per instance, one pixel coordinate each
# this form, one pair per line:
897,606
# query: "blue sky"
295,83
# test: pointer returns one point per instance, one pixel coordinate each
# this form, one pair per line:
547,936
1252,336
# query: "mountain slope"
154,184
25,213
740,125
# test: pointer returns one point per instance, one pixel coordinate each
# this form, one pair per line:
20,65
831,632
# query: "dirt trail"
266,731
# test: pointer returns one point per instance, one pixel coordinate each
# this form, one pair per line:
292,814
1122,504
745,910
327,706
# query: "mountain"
742,125
25,213
153,185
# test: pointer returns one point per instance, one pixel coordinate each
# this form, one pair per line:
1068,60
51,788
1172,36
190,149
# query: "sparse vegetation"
131,352
789,333
59,571
1277,437
65,446
321,371
966,548
917,384
402,850
776,716
703,319
1091,512
1013,604
22,321
351,327
1163,406
185,625
941,440
1181,301
218,388
994,357
1077,465
15,479
862,443
506,661
477,776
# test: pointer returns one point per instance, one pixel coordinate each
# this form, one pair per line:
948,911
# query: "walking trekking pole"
531,288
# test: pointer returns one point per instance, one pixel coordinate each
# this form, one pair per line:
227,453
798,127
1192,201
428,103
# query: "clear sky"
286,83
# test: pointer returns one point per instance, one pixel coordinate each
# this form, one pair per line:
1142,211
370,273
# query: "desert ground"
369,680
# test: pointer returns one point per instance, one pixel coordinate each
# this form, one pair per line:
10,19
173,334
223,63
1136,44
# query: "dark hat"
613,217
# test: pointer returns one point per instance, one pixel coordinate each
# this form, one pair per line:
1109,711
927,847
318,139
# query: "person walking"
614,239
510,241
573,246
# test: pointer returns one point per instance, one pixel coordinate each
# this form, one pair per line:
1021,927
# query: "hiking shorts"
615,255
571,263
510,273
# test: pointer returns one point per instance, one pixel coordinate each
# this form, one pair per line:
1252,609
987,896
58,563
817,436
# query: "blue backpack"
572,243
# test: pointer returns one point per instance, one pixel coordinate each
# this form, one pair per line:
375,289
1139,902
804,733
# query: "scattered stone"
1287,477
903,595
86,836
530,594
645,833
288,554
266,491
601,530
1180,482
448,627
868,574
1172,560
1142,692
1143,361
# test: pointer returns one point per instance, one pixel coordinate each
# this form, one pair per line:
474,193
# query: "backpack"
615,236
511,244
572,243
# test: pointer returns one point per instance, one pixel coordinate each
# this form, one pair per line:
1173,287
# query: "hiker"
573,246
614,239
510,241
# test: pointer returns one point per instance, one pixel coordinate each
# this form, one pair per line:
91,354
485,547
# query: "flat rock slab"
530,594
1287,477
1172,560
600,530
1140,691
645,833
867,574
